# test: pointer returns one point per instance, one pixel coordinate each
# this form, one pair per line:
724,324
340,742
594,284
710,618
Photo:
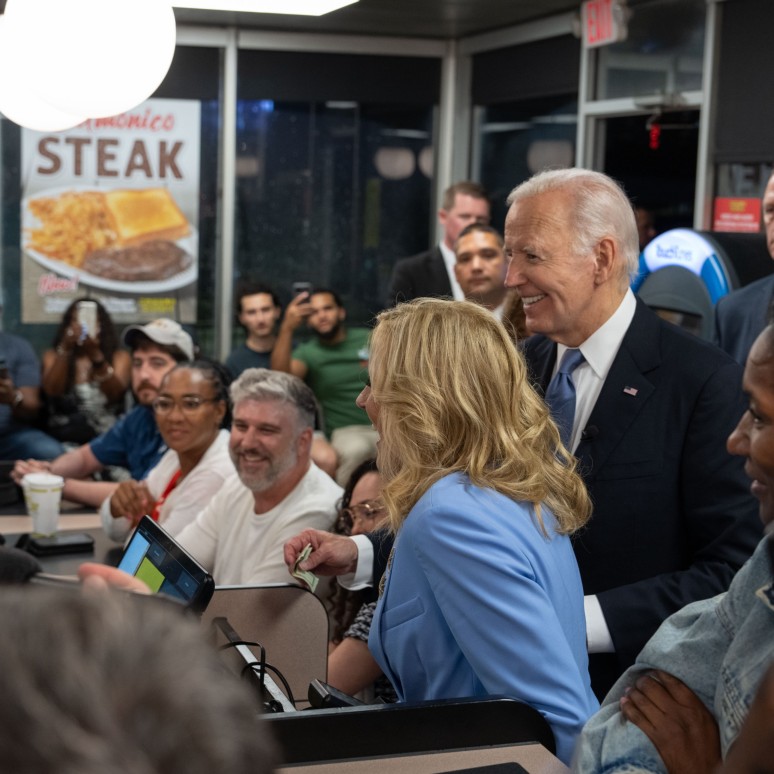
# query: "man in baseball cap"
134,441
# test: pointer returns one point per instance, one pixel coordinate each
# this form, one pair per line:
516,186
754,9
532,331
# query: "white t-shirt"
190,495
240,547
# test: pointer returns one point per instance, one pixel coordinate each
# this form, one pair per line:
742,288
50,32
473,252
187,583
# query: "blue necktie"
560,395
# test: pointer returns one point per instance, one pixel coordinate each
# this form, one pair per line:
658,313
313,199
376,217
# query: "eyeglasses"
186,405
364,512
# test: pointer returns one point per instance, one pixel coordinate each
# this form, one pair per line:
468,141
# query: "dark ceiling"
406,18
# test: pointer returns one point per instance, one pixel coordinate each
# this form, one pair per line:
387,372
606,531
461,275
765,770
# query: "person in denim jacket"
683,703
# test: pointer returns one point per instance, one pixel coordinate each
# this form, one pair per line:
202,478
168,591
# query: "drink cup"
42,494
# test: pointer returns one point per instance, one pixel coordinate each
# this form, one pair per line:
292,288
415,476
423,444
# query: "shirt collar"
600,349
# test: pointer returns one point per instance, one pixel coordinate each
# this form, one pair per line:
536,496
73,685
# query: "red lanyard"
170,486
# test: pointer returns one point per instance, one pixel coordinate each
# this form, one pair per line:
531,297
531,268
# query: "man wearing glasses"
134,441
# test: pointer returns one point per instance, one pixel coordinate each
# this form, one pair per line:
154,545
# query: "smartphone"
155,558
61,543
87,318
3,369
301,287
322,696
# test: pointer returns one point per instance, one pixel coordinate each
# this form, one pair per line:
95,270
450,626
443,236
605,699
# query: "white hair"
601,209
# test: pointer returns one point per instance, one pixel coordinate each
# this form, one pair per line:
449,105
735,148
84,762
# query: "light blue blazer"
479,602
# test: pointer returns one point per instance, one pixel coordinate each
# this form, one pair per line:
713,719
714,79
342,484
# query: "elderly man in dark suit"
431,273
652,408
742,315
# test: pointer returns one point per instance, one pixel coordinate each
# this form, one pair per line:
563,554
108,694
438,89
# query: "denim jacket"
719,647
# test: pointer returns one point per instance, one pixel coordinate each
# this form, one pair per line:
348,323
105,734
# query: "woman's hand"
131,500
682,729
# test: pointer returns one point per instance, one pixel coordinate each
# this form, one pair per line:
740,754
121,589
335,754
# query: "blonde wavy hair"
453,396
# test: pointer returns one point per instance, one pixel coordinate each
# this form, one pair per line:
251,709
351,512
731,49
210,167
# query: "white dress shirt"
599,351
449,258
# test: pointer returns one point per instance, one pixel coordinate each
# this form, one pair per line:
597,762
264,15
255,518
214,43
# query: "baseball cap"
163,331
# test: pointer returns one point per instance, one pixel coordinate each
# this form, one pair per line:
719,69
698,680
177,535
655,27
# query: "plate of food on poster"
123,239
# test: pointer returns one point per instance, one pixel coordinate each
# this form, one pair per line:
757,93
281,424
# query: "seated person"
692,685
20,403
332,363
277,489
351,667
258,311
134,441
85,378
191,409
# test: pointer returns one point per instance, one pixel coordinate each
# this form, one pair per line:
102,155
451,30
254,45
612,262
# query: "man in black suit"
673,515
742,315
431,273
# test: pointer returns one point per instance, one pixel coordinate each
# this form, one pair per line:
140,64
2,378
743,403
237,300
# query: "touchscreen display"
154,557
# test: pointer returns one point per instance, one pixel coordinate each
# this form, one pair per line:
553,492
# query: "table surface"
105,551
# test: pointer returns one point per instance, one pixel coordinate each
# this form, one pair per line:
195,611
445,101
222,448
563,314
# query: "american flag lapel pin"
630,391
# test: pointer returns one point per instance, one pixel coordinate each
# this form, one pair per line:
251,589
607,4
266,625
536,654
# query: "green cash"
307,577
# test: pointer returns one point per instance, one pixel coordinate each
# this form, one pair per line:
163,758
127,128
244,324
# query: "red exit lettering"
599,24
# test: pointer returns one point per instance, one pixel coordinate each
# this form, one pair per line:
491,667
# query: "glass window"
332,193
661,55
520,138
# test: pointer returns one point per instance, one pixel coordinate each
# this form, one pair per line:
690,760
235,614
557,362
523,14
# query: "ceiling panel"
414,18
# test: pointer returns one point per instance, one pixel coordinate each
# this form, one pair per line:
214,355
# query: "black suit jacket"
420,275
741,316
673,515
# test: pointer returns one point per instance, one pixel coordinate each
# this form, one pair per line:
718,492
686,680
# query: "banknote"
307,577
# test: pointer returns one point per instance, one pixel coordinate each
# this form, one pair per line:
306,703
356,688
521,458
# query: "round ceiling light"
16,100
93,57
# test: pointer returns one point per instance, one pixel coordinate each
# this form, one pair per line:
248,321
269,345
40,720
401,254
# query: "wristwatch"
18,398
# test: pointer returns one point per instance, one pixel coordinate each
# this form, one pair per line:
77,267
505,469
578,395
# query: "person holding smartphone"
85,374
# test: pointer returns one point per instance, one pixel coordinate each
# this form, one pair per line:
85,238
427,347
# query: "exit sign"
604,22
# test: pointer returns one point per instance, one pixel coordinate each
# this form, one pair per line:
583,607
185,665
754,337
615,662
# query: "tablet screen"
154,557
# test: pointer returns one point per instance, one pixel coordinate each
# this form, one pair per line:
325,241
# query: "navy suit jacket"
673,515
741,316
420,275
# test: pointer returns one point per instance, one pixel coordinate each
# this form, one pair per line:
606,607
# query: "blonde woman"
483,595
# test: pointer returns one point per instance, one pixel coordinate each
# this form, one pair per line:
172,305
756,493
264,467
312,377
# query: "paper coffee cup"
42,494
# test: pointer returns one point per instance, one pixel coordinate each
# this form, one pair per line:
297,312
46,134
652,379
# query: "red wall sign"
736,214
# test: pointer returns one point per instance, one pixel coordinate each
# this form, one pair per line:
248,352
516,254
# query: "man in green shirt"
333,364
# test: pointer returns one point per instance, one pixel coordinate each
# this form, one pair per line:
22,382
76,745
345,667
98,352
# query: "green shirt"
336,373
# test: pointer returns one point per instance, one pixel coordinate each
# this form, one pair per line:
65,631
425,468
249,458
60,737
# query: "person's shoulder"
218,454
358,335
740,297
235,356
681,346
318,481
10,343
413,260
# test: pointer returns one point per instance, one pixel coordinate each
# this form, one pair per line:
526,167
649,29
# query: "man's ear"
305,441
342,313
607,259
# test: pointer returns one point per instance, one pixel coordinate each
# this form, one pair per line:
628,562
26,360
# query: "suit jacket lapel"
436,270
540,354
625,391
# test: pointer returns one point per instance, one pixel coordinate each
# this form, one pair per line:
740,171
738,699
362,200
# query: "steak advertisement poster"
109,210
